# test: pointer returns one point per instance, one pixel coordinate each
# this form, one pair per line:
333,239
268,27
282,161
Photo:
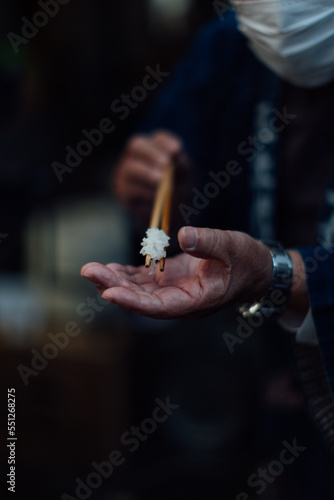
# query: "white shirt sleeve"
305,331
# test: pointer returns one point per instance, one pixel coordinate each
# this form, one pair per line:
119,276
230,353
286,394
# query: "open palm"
187,286
216,267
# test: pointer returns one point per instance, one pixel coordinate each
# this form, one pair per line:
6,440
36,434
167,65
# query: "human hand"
217,267
141,168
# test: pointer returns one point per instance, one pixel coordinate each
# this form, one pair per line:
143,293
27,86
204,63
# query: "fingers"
105,277
122,292
153,151
142,165
130,270
140,175
168,143
101,276
148,151
205,243
116,275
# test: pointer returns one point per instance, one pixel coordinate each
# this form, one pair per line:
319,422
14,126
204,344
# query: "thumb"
203,243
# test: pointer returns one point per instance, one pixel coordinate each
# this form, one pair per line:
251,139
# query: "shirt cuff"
305,330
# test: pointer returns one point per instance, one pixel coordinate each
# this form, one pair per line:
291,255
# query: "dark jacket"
214,102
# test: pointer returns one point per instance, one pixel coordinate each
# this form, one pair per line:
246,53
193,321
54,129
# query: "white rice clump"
154,245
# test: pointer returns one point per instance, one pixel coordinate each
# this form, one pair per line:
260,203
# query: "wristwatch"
275,300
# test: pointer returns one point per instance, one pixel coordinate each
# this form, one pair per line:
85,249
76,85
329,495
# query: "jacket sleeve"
319,266
315,360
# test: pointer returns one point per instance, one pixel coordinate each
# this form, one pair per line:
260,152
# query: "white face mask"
294,38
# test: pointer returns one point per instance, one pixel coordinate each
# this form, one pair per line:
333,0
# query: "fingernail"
189,238
91,278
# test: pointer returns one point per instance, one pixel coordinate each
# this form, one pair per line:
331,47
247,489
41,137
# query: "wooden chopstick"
160,199
162,209
167,201
165,222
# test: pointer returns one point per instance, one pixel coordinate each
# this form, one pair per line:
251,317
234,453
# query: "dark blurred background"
234,411
63,80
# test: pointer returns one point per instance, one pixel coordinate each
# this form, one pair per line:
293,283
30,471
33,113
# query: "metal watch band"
274,302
